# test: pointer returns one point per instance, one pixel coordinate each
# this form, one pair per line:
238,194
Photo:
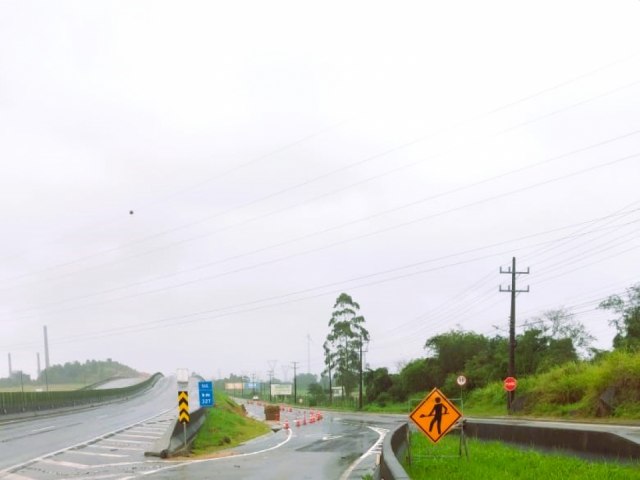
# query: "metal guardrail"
19,402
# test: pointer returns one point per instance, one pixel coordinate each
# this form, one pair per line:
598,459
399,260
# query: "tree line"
554,338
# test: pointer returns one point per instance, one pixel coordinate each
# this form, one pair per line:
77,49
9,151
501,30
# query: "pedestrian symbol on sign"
436,413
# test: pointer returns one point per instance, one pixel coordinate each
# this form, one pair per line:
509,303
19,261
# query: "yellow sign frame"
183,406
436,410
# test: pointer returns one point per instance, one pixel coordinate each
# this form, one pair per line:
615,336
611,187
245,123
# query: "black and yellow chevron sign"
183,406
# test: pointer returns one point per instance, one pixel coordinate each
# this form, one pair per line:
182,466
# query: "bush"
383,399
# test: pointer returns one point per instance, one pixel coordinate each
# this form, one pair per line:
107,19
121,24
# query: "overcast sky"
276,154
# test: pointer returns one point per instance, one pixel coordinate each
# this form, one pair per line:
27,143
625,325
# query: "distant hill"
91,371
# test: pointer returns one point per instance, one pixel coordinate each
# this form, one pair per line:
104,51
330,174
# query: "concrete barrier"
173,441
394,449
592,443
22,403
582,441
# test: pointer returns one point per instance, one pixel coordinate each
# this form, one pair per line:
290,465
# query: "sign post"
461,380
510,384
182,377
183,412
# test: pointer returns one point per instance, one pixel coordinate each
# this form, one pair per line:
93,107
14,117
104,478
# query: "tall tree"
627,323
454,349
561,325
344,343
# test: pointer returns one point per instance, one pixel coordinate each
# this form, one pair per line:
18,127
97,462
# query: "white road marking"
62,463
381,433
44,429
133,435
71,447
125,440
15,476
97,454
99,477
116,447
192,462
84,466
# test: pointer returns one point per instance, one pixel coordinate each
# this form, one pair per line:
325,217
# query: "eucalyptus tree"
627,323
344,343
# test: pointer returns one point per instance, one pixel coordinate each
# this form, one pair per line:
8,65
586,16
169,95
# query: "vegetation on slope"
227,425
607,387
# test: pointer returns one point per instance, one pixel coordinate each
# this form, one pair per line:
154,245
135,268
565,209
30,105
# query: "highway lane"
341,447
22,441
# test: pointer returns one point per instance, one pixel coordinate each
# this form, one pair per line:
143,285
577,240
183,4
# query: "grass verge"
227,425
497,461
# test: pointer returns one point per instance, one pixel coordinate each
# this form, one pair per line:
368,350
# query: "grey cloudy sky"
276,154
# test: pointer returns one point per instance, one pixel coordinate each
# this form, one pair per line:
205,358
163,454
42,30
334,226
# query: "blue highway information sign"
205,389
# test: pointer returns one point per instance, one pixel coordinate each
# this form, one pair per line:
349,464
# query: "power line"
501,132
403,224
379,273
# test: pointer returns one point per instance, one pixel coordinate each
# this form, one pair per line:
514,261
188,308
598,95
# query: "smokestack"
38,355
46,348
10,371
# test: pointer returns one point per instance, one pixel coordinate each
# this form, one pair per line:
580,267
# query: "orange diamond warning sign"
435,415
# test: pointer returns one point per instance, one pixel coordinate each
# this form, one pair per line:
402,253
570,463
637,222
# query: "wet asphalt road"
108,442
340,447
25,440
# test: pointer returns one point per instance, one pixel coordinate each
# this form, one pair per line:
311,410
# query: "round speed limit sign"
461,380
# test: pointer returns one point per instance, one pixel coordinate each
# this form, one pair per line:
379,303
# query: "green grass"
569,391
497,461
226,426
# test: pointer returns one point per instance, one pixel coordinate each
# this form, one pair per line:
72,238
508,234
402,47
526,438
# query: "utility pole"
295,390
272,364
360,382
330,385
46,348
308,353
512,321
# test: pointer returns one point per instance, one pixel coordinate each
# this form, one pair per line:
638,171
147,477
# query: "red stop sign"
510,384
